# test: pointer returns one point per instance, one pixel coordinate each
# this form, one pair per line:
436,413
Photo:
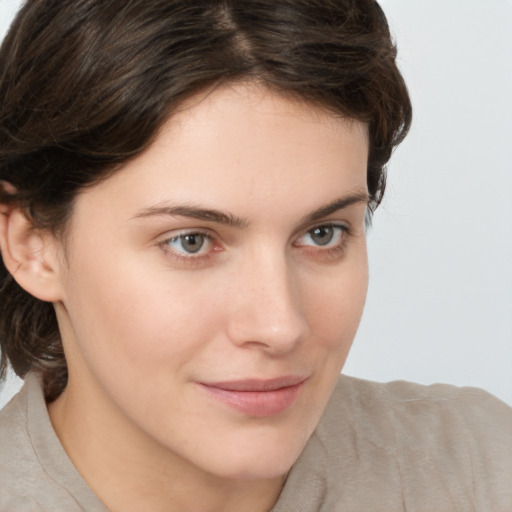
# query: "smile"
257,398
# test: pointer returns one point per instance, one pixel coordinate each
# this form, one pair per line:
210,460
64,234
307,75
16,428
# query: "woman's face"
211,288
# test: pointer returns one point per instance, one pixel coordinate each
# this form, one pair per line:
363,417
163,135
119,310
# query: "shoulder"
436,444
423,410
35,473
16,456
402,401
14,436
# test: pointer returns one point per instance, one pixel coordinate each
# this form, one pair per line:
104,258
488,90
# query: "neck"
129,471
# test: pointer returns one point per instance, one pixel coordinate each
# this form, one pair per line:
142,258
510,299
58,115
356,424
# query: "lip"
257,397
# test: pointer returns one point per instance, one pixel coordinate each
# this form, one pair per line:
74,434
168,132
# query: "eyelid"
189,258
328,223
205,242
325,253
176,233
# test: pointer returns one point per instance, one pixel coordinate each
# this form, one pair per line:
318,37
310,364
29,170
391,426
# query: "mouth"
256,397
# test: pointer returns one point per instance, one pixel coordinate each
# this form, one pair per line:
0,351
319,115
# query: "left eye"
189,243
323,236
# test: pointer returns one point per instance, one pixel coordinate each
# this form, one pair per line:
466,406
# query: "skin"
143,321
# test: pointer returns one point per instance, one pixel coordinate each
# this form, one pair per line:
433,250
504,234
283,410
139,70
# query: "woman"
185,188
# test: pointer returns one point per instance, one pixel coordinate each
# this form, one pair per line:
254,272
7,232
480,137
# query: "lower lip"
257,403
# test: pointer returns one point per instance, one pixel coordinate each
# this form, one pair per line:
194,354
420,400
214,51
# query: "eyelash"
201,258
333,252
190,258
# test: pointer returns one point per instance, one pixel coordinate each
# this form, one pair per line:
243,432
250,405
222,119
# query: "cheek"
131,323
335,304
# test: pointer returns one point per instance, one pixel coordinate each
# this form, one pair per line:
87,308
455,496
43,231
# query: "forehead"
243,147
244,109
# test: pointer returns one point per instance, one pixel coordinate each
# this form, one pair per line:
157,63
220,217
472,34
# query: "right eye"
189,243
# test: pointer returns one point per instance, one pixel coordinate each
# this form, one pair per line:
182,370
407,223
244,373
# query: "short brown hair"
86,84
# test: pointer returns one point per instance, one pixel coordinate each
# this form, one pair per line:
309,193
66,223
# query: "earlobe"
29,255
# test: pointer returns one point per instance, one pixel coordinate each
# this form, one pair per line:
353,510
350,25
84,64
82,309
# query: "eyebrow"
193,212
212,215
338,204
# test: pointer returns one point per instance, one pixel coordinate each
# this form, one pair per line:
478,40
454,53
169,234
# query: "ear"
30,255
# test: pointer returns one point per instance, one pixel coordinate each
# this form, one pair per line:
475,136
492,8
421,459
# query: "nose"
268,312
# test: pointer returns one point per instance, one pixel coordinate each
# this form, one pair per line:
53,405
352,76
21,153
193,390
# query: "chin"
265,458
260,468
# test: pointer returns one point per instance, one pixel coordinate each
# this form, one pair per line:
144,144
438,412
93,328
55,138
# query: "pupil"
323,235
192,243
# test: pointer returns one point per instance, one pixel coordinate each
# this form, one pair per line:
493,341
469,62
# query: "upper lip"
258,384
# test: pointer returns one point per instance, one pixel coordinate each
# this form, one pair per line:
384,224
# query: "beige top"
379,448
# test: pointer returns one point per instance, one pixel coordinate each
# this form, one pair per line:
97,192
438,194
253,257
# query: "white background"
439,307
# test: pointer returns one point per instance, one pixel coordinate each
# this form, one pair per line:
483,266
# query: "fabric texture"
379,448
